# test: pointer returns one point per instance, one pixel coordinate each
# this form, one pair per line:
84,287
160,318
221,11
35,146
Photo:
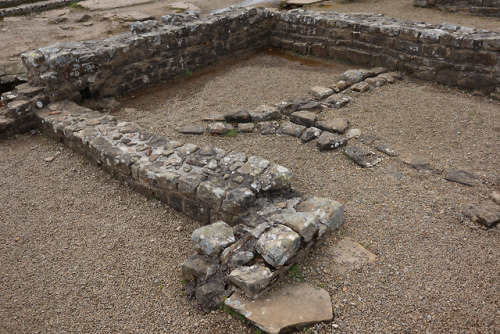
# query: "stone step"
37,6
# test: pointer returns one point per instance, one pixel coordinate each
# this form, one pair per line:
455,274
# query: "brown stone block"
197,210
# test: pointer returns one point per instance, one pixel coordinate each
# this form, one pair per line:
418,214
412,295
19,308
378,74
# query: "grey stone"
310,134
290,106
367,138
340,86
362,157
331,213
128,128
191,130
246,127
421,164
462,176
254,166
251,280
278,245
210,294
306,224
353,133
305,118
285,307
211,194
197,266
361,87
386,149
330,141
320,92
352,76
482,215
174,160
241,116
238,200
240,258
219,128
338,125
313,106
189,183
376,82
276,178
187,149
292,129
212,239
264,113
338,100
268,128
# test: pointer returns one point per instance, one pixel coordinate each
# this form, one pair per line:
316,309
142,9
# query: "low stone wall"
475,7
259,226
155,51
20,7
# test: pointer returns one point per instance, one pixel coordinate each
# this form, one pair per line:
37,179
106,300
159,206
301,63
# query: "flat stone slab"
287,306
462,176
362,157
349,255
302,2
109,4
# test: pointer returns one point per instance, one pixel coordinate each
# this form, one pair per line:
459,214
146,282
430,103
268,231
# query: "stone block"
278,245
251,280
212,239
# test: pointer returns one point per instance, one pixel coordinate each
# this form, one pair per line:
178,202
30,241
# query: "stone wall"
20,7
155,51
259,226
475,7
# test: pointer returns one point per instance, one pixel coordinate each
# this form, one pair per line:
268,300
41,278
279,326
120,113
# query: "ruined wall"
450,55
475,7
151,52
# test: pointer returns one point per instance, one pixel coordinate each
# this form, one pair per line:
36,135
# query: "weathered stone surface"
330,141
392,172
211,194
386,149
285,307
246,127
340,86
376,82
361,156
268,128
254,166
210,294
212,239
251,280
482,215
292,129
238,200
310,134
320,92
219,128
312,106
331,213
278,245
353,133
305,118
361,87
352,76
197,266
191,130
306,224
368,138
421,164
462,176
264,113
240,258
348,255
338,100
276,178
241,116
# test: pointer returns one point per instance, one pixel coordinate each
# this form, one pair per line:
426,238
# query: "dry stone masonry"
475,7
258,226
154,51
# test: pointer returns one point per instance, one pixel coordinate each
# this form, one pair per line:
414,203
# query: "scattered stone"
482,215
349,255
285,307
340,86
210,294
197,266
268,128
246,127
338,125
331,213
264,113
291,106
241,116
495,196
362,157
361,87
49,159
368,138
379,70
219,128
312,106
387,77
214,118
384,148
421,164
393,172
310,134
338,100
251,280
352,76
330,141
376,82
292,129
462,176
353,133
212,239
305,118
320,92
278,245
